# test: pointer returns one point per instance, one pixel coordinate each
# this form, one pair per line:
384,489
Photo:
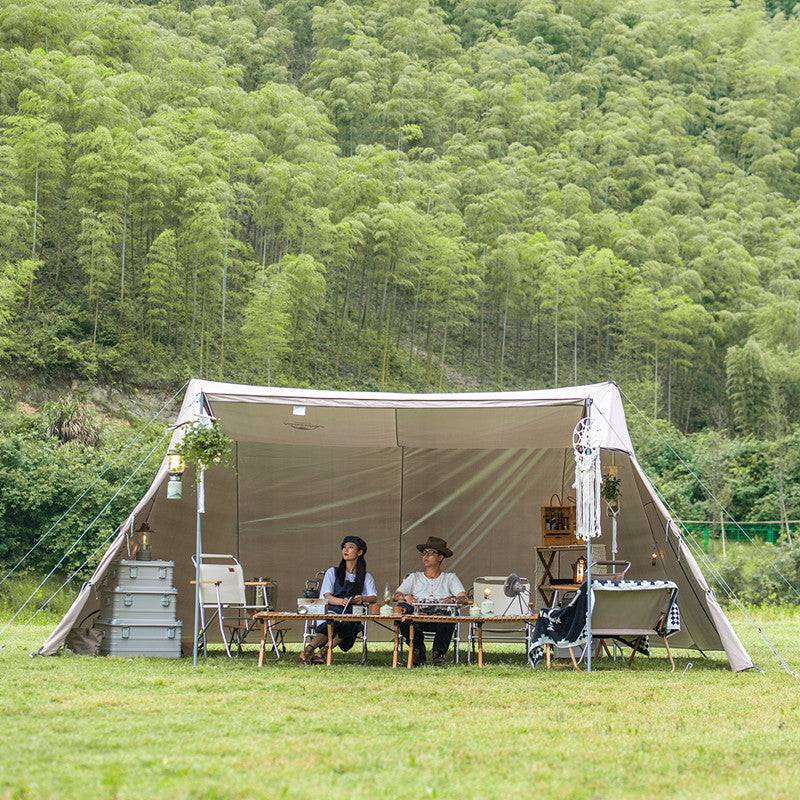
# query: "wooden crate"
558,525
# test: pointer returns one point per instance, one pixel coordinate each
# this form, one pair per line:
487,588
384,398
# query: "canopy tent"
394,468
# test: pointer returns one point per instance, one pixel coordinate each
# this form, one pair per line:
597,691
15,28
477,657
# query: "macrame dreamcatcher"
586,440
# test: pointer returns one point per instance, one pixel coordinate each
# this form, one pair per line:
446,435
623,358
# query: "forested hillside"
363,194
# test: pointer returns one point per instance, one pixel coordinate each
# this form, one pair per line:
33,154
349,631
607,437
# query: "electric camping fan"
514,588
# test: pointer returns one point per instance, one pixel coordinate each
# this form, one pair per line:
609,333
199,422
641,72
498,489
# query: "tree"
266,326
161,281
749,386
15,277
96,258
304,279
39,151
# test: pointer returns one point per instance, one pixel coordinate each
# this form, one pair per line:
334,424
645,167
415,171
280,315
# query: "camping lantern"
654,556
143,552
579,570
175,467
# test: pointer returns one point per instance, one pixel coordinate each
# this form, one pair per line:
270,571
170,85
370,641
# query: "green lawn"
137,728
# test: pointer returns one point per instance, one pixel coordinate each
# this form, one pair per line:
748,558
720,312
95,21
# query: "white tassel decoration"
586,440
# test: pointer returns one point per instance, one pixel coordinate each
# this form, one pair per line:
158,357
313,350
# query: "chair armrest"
259,583
211,583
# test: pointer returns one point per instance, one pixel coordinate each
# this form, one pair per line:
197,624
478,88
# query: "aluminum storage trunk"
129,574
122,638
139,605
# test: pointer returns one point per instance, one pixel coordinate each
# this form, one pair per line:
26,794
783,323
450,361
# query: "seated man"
431,585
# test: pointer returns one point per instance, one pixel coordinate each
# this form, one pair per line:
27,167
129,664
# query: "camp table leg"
547,655
633,653
572,656
547,564
329,656
396,643
669,653
480,645
410,661
262,645
274,642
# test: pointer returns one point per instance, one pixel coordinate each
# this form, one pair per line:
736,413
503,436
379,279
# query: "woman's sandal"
317,659
307,657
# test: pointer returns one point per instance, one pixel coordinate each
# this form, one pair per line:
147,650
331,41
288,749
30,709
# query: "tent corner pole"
198,547
589,605
589,571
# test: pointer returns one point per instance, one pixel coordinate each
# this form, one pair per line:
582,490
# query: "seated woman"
343,586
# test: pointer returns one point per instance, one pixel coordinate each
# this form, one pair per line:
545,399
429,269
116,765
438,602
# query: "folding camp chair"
223,591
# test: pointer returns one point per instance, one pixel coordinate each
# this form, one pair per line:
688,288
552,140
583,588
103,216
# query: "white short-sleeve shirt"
422,587
329,581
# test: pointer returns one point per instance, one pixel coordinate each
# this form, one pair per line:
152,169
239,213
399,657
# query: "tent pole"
614,514
198,547
589,575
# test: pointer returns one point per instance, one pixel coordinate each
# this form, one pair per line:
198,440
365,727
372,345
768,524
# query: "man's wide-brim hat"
437,544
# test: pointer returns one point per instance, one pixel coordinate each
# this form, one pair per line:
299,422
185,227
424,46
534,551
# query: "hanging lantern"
579,570
175,467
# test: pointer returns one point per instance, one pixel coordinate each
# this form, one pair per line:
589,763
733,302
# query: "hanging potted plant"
204,444
610,488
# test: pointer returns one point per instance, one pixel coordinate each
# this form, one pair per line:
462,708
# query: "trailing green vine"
609,490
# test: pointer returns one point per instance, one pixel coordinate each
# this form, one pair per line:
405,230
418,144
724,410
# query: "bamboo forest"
417,196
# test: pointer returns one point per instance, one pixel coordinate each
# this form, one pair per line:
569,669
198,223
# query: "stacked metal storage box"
137,610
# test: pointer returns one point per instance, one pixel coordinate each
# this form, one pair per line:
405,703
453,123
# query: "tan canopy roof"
537,419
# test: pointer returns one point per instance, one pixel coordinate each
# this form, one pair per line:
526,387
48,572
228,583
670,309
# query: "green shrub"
16,591
41,477
762,574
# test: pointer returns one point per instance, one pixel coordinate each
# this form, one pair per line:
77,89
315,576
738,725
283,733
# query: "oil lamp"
579,570
143,552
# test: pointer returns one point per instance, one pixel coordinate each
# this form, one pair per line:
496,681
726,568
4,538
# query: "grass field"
137,728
